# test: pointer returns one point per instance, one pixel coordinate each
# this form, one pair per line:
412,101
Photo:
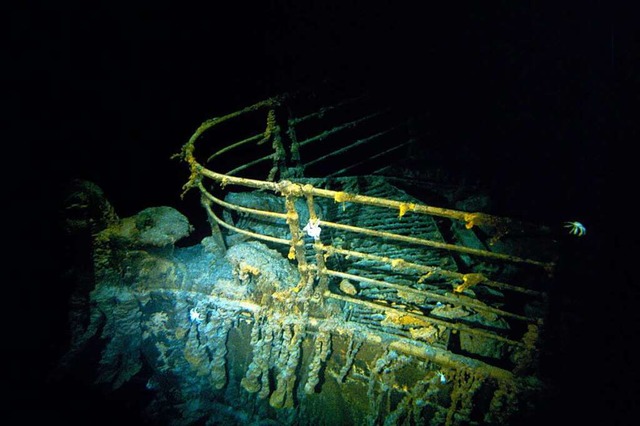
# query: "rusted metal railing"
311,257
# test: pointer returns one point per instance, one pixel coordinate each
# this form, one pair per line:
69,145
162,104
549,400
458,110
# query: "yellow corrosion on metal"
470,220
400,318
399,264
501,226
341,197
474,219
396,315
469,280
287,188
428,271
430,320
404,208
457,300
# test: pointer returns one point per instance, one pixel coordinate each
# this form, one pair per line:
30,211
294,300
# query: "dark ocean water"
108,95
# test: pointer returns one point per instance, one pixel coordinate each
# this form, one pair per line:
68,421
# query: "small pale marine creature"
441,376
576,228
194,315
312,229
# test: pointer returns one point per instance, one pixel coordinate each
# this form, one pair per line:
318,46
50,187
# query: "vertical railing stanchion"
216,234
297,251
317,244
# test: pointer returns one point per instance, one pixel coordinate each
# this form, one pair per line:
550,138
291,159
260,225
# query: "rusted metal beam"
421,318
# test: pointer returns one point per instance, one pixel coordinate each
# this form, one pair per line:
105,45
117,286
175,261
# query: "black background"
108,92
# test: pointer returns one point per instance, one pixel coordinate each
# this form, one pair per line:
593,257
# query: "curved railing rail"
311,252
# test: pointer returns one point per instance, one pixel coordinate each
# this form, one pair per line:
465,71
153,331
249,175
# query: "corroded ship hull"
324,295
